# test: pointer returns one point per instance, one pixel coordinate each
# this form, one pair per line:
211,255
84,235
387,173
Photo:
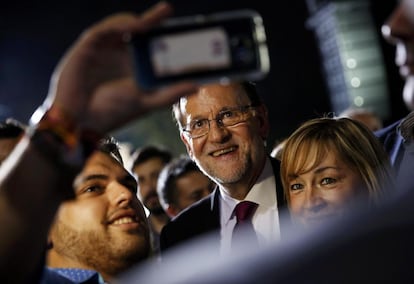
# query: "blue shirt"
71,276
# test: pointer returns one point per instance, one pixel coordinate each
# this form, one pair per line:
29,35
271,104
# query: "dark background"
35,35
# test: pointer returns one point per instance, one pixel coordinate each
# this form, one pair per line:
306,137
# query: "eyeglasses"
229,117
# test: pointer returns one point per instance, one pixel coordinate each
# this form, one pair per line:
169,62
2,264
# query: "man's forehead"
214,96
101,163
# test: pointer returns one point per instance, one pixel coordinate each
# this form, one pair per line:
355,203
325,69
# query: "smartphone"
204,48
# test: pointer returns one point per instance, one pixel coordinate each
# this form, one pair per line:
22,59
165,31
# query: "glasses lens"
199,128
232,117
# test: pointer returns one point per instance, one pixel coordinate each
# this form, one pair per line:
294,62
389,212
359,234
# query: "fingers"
167,96
159,11
126,24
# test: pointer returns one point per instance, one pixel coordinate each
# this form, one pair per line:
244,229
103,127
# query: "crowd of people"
332,204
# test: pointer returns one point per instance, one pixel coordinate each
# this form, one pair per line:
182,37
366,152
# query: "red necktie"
243,230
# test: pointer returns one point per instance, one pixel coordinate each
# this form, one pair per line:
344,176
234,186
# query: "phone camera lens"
242,50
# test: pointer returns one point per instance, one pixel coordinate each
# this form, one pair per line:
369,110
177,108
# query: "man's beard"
157,211
91,248
154,208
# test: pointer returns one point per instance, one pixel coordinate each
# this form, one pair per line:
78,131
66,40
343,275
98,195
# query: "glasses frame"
219,120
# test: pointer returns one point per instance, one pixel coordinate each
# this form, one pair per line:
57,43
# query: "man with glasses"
224,128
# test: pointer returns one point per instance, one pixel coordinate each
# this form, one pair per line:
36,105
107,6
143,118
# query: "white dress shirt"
266,218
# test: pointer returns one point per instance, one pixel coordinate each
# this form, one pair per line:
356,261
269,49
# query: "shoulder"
386,131
200,218
192,214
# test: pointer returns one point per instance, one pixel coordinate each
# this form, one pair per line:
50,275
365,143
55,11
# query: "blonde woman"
328,164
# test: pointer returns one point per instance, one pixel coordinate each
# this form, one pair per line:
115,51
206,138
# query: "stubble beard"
100,251
227,175
157,211
154,208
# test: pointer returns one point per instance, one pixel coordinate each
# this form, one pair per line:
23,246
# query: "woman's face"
324,192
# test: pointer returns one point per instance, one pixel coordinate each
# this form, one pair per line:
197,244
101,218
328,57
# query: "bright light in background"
351,63
355,82
358,101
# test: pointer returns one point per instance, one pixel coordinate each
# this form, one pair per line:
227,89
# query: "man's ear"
263,118
185,139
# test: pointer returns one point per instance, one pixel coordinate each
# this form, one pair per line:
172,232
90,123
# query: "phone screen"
222,47
189,52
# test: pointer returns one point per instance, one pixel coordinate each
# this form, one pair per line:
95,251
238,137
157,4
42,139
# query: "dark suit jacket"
392,142
204,217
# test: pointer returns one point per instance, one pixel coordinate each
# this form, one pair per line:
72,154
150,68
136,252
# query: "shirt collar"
263,193
79,275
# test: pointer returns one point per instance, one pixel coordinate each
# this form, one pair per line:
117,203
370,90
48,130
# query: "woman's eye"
296,186
326,181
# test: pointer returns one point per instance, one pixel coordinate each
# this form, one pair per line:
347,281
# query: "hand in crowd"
94,82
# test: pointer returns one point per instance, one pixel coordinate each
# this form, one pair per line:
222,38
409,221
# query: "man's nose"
218,132
120,195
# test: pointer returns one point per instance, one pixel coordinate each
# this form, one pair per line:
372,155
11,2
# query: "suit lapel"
281,201
215,207
284,216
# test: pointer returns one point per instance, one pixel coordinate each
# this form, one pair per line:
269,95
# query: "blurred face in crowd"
147,173
190,188
399,30
104,228
230,155
323,191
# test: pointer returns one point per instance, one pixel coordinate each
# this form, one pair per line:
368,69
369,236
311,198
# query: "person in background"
330,165
398,137
180,184
64,131
224,128
147,163
11,131
369,118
